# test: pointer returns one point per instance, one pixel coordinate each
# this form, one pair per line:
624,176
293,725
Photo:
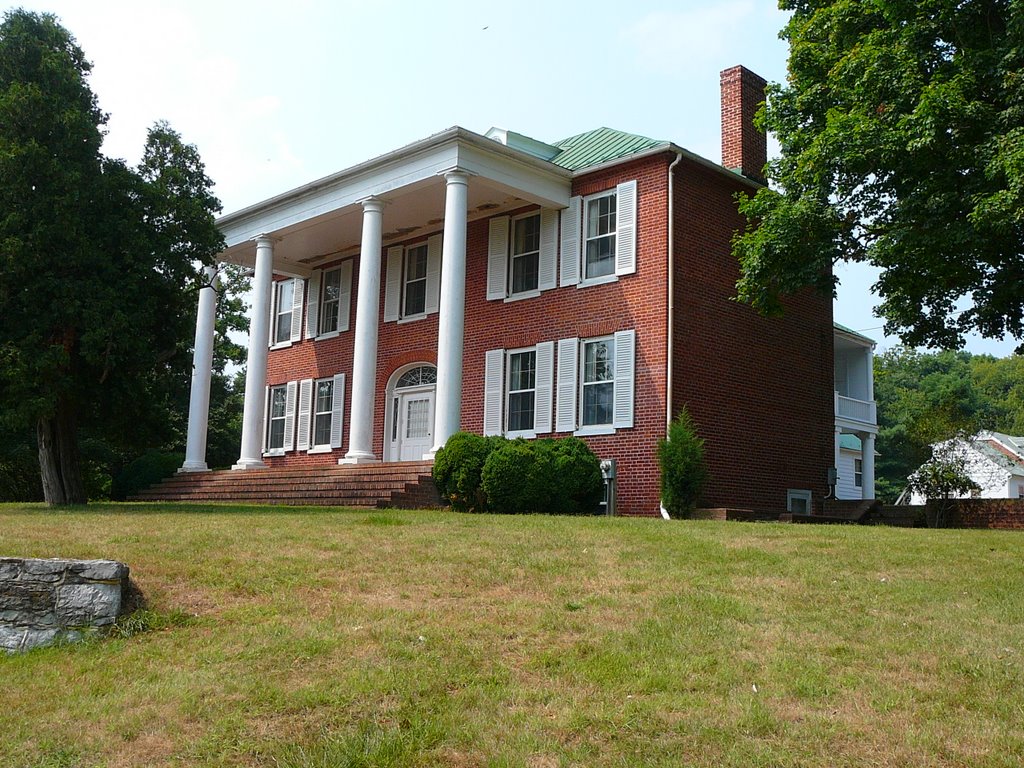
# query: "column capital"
372,204
455,175
264,239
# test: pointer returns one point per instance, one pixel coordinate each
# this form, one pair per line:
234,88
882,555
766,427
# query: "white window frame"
279,286
529,293
321,333
586,279
409,250
283,418
858,473
798,495
604,427
507,396
314,446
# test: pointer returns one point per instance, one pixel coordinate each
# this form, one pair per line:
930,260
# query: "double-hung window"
522,255
330,301
858,473
320,413
597,382
599,238
518,386
276,418
522,390
525,260
413,280
285,299
595,386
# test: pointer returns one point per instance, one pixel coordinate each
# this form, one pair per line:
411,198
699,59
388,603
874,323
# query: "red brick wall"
759,389
744,147
1006,514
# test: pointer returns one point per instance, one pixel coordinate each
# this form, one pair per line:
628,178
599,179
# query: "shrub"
512,481
143,472
683,474
19,473
457,469
549,476
577,485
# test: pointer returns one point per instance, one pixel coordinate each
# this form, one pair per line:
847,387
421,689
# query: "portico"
433,188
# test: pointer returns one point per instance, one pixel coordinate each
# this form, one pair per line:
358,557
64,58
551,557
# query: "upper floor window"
284,302
330,300
525,260
522,255
600,236
414,283
413,280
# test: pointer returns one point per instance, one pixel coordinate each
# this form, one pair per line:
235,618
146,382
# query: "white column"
256,368
364,363
452,311
867,463
202,368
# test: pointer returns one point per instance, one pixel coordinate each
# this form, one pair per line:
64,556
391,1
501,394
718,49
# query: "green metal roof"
599,146
849,442
844,329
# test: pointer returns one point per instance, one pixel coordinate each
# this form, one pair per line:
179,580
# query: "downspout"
670,336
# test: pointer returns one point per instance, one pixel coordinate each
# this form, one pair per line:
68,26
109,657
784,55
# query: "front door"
415,424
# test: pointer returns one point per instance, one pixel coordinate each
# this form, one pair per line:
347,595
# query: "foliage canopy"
901,128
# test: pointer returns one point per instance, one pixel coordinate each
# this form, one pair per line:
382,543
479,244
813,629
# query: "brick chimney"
744,147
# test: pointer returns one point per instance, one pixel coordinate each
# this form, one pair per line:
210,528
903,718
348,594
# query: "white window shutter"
494,389
274,287
565,407
625,228
345,298
266,419
393,283
337,408
545,373
299,289
433,298
313,305
548,261
305,413
497,258
571,222
289,416
625,371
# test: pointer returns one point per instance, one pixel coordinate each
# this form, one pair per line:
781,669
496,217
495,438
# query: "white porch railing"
855,410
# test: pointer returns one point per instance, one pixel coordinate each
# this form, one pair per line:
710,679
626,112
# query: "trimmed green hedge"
492,474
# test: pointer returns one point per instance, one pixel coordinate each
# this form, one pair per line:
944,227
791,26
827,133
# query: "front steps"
406,484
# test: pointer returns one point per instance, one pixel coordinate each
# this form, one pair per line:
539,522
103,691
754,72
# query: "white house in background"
856,424
993,460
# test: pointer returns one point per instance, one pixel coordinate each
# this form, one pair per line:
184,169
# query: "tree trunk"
59,461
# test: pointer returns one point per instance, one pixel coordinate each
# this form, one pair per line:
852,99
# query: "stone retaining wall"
47,601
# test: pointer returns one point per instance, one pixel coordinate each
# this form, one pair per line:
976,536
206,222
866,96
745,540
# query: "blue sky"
277,94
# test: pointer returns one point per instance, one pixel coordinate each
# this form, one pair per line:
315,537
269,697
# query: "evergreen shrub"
683,474
147,470
457,468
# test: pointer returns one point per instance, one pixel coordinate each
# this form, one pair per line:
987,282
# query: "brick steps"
397,484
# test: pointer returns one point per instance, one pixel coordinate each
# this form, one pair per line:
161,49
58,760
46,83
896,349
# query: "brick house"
501,285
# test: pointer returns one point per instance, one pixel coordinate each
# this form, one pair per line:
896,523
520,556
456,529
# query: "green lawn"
337,638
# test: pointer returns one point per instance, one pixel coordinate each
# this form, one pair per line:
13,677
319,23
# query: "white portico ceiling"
322,220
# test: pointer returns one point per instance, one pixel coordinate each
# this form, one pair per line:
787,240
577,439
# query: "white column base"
192,467
429,455
249,464
360,459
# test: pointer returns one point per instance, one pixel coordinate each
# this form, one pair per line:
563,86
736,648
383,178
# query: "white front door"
415,424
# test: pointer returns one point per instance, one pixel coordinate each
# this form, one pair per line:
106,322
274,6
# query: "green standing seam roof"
600,146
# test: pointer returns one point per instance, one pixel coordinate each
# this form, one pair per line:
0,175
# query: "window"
598,241
277,410
518,387
798,501
597,392
330,301
858,472
595,387
284,302
414,281
525,262
599,229
522,383
323,408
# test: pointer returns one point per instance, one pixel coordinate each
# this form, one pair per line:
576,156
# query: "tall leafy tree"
901,127
98,261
